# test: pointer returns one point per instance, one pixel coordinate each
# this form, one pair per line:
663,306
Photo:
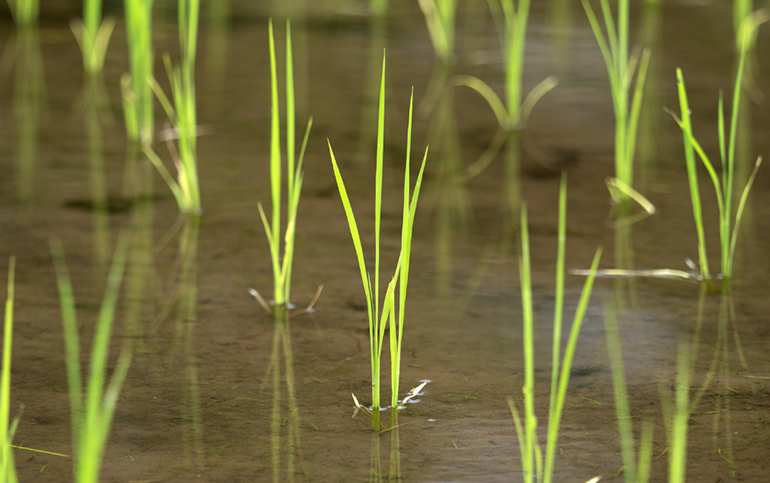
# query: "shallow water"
200,397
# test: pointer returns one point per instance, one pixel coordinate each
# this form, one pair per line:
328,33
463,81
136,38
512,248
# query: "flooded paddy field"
218,391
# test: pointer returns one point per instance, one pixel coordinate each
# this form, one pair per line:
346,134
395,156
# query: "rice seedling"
93,35
512,114
621,69
137,91
182,114
92,407
728,227
380,319
25,12
531,453
440,18
7,464
378,7
282,268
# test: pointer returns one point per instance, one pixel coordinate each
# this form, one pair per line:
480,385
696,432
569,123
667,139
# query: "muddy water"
202,400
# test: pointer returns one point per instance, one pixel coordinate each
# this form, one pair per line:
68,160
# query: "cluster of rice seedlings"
511,24
25,12
7,464
440,18
182,113
137,91
282,267
380,319
531,453
728,227
621,69
91,410
93,35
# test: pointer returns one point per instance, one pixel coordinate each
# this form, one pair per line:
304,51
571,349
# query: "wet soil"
202,400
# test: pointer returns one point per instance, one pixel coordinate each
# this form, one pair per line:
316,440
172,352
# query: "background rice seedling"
181,110
621,68
25,12
728,227
137,91
93,35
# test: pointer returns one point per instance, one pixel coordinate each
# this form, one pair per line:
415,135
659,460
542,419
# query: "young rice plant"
531,454
380,318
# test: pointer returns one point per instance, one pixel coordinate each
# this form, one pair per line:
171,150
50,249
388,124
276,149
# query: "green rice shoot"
440,18
92,406
7,464
531,454
621,68
723,187
512,114
138,98
182,113
379,319
282,268
93,35
25,12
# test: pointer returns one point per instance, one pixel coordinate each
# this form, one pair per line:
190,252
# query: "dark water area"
201,400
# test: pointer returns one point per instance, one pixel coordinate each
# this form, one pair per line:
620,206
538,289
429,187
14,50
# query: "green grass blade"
739,216
527,342
692,172
290,111
8,471
354,234
71,343
488,94
275,166
378,188
93,433
566,367
636,105
645,451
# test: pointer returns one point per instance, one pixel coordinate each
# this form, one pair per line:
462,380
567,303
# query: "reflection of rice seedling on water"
91,411
380,319
531,454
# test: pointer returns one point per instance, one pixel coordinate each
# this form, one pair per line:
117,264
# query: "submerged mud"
218,391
